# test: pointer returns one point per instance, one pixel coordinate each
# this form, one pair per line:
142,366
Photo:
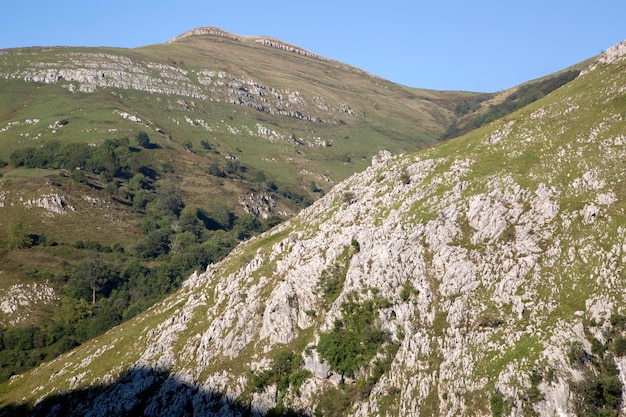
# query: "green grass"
32,173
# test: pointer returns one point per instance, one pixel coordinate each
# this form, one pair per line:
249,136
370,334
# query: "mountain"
482,276
163,157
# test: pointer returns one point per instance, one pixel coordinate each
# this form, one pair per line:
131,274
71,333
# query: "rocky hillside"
483,276
245,126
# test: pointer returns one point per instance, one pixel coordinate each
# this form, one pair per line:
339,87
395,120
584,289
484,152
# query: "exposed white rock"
53,203
18,300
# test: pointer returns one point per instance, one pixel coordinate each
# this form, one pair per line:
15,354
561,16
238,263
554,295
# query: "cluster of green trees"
112,283
113,158
525,94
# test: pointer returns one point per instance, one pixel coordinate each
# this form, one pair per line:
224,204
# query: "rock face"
88,72
19,298
489,262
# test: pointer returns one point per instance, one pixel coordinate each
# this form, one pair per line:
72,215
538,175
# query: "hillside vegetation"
122,171
483,276
474,113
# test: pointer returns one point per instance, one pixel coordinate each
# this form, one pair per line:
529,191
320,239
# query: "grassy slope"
528,159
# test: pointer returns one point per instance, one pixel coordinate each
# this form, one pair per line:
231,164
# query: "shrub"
496,403
355,340
619,346
143,139
576,354
349,197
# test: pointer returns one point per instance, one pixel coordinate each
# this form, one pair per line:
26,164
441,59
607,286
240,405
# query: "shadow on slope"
142,392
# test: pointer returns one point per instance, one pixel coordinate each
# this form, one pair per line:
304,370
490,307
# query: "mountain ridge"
488,269
263,40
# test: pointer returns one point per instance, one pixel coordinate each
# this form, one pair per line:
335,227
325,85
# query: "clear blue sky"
479,45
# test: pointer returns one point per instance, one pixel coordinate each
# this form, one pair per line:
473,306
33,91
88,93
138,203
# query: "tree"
73,310
94,273
355,339
18,238
155,244
170,199
189,220
223,216
143,139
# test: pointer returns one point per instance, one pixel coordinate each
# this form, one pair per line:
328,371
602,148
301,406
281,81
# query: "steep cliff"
483,276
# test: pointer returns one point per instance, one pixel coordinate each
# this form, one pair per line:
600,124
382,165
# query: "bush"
619,346
349,197
354,341
285,371
143,139
496,403
18,237
576,354
618,321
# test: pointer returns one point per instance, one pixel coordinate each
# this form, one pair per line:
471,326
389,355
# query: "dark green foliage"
599,393
295,196
598,348
93,273
535,379
111,284
113,158
215,170
577,355
285,371
143,139
619,346
525,94
618,321
356,346
314,188
496,403
337,402
124,285
462,107
355,340
334,403
157,243
332,279
407,292
170,199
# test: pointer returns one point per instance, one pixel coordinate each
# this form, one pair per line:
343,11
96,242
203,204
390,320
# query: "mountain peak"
262,40
204,31
613,53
